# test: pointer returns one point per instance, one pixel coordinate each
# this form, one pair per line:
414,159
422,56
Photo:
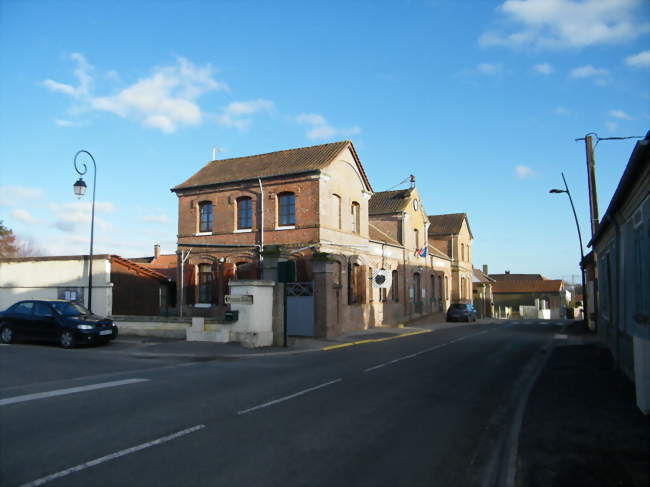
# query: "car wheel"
7,334
66,339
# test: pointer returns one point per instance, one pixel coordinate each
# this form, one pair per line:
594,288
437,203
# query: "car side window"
24,308
42,310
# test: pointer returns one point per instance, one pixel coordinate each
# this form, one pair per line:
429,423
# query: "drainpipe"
184,258
259,180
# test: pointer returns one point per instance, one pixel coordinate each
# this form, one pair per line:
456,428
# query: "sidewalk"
152,347
581,425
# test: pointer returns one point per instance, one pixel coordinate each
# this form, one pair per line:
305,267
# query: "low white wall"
44,277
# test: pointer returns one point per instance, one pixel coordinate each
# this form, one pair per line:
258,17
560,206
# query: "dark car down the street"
60,321
461,312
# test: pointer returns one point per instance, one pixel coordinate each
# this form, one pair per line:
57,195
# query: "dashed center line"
70,390
426,350
112,456
286,398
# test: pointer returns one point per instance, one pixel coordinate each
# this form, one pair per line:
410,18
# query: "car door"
20,317
45,326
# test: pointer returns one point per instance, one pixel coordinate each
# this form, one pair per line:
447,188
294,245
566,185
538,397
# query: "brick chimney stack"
156,251
485,269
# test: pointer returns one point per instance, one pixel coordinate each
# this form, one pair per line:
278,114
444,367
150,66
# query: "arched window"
446,287
336,210
205,216
244,213
462,252
394,287
286,209
356,217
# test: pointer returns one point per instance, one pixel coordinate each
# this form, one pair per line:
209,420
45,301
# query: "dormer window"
205,216
286,209
244,213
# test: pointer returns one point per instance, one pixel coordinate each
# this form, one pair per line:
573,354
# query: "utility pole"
591,174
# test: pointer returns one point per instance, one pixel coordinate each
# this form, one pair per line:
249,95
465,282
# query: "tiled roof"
389,202
164,264
376,233
447,224
479,276
518,277
272,164
438,253
528,286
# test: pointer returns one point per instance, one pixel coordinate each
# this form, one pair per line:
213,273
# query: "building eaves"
291,162
639,160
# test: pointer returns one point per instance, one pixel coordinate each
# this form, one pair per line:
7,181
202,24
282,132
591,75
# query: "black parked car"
55,320
461,312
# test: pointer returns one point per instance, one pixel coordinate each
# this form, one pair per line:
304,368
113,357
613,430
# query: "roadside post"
286,273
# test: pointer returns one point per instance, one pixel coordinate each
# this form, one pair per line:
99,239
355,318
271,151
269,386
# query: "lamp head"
79,188
557,191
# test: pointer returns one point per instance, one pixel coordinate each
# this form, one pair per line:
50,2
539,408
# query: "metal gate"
300,308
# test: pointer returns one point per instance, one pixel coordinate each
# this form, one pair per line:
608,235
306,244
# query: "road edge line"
374,340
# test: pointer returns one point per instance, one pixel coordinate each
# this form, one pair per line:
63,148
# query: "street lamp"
582,255
79,190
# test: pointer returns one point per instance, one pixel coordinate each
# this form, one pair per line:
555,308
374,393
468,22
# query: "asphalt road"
428,409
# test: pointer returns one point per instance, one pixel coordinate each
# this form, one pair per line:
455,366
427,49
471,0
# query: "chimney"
485,269
507,272
156,251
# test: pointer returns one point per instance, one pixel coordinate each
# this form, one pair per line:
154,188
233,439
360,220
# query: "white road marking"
426,350
286,398
112,456
71,390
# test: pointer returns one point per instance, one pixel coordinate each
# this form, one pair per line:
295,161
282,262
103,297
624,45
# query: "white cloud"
489,69
84,79
232,114
611,126
165,100
320,129
543,68
69,216
560,24
523,172
640,60
562,111
10,195
588,71
24,216
620,114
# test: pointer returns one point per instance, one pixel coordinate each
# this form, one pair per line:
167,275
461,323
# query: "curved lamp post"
582,255
79,190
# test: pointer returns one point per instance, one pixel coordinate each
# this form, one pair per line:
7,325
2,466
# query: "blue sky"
481,100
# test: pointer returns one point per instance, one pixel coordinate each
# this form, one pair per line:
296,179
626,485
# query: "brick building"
452,235
313,206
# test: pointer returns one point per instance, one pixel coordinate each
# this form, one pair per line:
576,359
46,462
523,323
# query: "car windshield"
459,306
70,309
